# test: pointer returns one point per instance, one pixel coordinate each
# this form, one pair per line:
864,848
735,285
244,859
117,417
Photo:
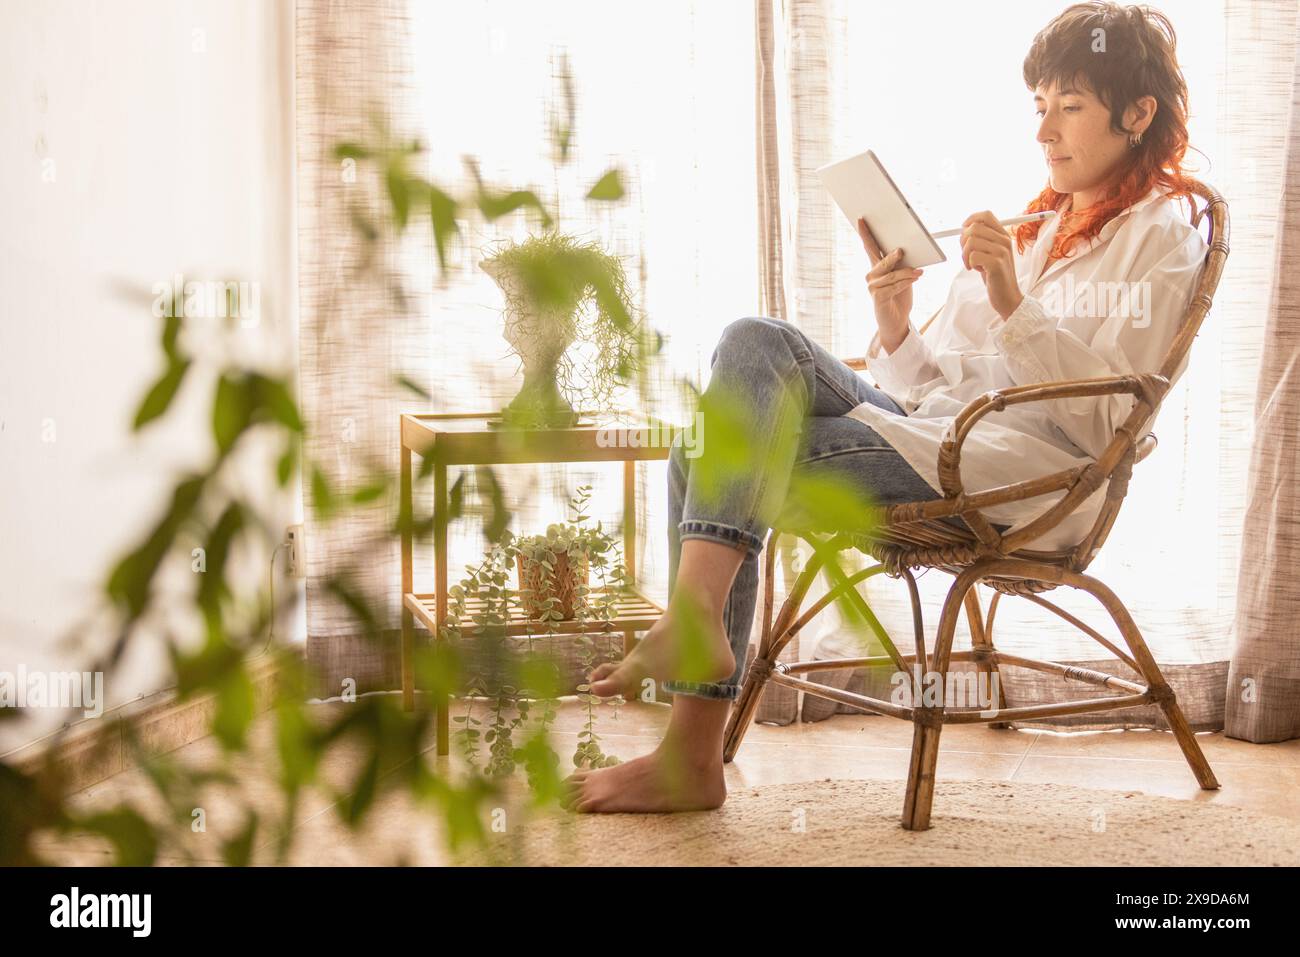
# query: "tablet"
861,188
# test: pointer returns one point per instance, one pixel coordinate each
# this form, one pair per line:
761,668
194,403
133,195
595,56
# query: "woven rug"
856,822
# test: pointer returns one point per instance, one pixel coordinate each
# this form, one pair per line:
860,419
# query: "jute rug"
856,822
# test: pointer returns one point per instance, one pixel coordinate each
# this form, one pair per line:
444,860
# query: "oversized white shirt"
1112,307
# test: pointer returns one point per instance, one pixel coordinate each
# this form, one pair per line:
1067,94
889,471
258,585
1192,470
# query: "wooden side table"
452,439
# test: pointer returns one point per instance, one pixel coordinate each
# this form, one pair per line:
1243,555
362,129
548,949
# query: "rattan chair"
911,536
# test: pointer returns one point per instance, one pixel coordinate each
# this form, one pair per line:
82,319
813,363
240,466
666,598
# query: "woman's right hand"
891,290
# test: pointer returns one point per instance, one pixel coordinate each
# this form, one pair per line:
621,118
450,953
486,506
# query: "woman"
1101,292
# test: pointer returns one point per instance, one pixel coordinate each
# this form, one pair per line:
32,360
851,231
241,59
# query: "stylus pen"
1013,221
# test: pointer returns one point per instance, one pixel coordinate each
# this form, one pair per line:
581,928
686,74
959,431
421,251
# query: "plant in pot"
560,291
554,572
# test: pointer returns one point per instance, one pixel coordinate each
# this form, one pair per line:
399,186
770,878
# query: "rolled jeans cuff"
718,532
703,689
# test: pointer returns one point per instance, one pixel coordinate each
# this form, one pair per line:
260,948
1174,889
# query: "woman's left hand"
986,247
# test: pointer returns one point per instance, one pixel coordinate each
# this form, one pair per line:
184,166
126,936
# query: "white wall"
140,139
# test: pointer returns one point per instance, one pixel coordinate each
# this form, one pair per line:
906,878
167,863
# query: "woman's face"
1079,146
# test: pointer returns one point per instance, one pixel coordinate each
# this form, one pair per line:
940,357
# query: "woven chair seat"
936,544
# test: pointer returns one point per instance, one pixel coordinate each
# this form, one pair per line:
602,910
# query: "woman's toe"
603,671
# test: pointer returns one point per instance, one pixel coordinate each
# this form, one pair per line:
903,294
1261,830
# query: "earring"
1134,140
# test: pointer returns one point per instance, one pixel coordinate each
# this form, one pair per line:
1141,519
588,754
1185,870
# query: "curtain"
484,80
1263,691
361,325
853,81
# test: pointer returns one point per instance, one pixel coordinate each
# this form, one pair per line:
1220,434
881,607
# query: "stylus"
1013,221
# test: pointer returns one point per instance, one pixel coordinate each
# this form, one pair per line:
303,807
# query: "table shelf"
632,612
449,439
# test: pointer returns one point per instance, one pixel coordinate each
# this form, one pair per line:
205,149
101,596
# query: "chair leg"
776,635
921,769
927,719
742,712
981,639
1155,680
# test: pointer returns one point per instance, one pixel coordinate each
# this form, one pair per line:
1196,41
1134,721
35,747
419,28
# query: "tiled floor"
1264,778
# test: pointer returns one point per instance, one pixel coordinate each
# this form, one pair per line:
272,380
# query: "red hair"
1137,60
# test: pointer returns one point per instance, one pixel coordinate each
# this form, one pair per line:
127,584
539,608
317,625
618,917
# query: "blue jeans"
758,359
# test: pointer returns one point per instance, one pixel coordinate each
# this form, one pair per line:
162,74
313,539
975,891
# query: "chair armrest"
1148,387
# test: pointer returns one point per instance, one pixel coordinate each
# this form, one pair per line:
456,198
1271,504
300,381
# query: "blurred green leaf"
412,386
399,193
442,213
608,187
296,743
284,466
232,410
494,206
564,115
132,836
159,398
234,708
372,490
171,332
130,581
363,792
322,494
212,583
274,396
354,151
237,851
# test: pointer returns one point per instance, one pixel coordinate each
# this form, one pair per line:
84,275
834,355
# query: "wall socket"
296,566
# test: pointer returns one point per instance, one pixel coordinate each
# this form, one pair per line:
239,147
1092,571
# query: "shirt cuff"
1011,336
902,367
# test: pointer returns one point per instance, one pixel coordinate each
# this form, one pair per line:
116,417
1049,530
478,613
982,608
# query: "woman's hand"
891,290
986,247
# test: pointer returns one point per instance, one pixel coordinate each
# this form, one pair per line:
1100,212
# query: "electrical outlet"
296,566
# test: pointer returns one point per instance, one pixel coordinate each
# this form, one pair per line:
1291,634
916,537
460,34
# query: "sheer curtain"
358,329
1263,697
954,123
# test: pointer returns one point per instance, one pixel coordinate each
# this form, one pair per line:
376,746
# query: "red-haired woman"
1099,291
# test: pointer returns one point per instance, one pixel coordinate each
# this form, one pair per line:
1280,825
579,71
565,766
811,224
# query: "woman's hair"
1120,54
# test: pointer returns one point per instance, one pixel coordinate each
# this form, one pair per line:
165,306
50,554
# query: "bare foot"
668,652
650,784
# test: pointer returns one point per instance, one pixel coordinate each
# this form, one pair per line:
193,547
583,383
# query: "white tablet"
862,189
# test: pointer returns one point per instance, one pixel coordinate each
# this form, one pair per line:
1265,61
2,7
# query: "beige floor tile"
758,764
1270,790
1161,746
878,731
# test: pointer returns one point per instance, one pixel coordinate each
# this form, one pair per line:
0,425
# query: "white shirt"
1071,325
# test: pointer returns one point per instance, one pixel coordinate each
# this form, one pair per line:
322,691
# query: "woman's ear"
1140,114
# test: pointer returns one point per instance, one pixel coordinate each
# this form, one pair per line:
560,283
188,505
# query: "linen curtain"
361,325
958,140
1263,693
